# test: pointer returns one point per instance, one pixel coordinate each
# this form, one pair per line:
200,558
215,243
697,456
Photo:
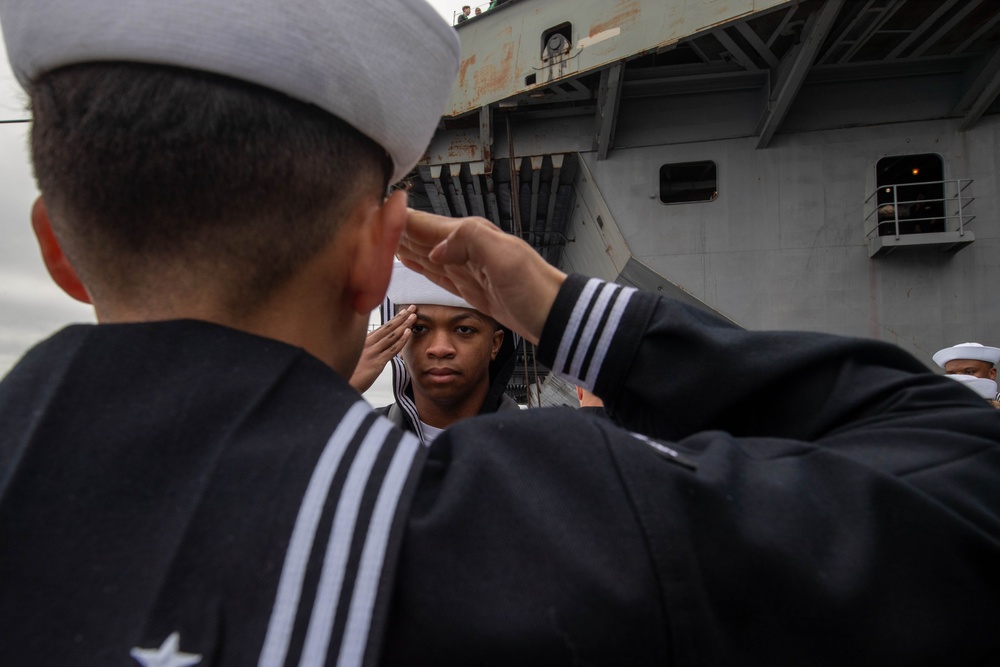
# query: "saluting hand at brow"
381,345
497,273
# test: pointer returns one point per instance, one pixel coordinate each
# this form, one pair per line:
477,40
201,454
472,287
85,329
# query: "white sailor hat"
983,386
409,287
973,351
384,67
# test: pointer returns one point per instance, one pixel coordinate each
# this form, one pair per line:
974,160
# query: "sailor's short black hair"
144,164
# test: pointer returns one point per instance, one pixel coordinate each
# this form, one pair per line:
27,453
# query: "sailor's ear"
497,342
55,260
375,250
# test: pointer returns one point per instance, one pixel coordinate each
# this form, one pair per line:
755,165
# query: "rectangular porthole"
689,182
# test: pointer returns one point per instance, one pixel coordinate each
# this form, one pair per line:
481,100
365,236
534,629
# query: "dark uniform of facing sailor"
193,482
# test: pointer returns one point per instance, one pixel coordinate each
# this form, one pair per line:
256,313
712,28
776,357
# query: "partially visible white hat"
409,287
983,386
384,67
973,351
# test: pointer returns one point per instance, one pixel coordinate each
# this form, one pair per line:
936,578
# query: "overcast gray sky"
31,306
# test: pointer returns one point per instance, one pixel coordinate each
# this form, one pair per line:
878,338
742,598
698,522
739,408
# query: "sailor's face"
974,367
449,352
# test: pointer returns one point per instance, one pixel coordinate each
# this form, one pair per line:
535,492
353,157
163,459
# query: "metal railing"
894,209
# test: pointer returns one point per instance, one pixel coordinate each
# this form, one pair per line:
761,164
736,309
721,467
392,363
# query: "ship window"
688,182
910,194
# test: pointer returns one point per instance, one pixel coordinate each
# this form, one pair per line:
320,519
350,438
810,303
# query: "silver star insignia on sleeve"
168,655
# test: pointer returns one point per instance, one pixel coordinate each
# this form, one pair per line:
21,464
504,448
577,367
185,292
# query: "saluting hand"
497,273
381,345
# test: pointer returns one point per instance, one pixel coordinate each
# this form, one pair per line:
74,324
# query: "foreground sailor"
455,361
192,481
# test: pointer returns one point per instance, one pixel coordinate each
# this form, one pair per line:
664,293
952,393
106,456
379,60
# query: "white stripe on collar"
350,523
352,648
338,548
402,381
293,571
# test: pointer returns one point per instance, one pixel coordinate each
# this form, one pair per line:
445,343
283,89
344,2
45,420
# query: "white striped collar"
350,524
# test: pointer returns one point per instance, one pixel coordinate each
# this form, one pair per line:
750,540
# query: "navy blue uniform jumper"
186,492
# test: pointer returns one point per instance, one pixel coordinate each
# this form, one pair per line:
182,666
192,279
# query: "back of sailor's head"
236,128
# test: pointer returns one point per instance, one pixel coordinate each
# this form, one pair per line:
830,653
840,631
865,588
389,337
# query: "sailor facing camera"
193,481
454,361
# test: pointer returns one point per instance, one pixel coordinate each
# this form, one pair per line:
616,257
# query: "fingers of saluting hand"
381,345
390,338
451,252
423,233
495,272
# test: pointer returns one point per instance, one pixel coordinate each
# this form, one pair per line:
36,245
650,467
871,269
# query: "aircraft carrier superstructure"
826,165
